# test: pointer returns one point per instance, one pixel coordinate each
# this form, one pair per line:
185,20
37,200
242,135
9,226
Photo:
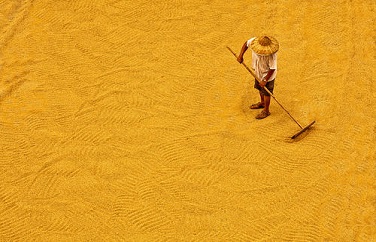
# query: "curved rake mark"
11,89
18,19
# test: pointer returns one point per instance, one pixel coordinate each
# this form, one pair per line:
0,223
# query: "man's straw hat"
265,45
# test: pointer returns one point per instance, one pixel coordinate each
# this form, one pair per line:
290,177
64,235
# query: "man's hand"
242,51
263,83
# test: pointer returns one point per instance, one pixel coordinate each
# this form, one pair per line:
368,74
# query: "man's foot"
258,105
262,115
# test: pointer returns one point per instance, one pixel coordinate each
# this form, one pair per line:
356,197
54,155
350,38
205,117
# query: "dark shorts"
269,85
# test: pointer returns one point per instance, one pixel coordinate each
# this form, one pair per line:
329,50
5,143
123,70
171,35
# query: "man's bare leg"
265,112
262,99
266,103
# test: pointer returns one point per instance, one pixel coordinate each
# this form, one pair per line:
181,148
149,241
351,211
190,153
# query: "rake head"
302,130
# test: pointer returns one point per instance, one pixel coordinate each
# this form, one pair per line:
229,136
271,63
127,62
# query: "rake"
302,129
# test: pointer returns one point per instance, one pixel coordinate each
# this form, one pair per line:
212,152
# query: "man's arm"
266,78
242,51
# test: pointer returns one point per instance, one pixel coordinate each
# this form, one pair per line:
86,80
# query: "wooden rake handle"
266,89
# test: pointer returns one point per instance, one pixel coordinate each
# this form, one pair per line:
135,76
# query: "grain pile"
129,120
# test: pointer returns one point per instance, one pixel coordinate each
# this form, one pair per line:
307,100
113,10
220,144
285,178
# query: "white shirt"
262,64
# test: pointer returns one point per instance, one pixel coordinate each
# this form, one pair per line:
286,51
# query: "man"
264,63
